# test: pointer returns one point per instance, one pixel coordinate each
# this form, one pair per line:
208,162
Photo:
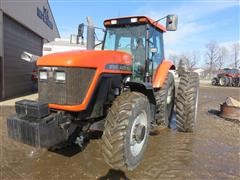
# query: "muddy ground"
211,152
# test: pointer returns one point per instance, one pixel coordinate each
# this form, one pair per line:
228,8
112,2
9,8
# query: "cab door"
155,49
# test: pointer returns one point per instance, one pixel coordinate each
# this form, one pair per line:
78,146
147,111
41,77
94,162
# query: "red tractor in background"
123,90
227,77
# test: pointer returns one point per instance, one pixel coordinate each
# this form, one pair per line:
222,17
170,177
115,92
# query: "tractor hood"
86,58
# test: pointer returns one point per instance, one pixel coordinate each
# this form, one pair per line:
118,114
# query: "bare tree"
190,59
212,55
222,57
194,59
174,58
235,51
181,67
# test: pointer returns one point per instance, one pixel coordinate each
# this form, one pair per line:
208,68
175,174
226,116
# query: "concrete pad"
11,102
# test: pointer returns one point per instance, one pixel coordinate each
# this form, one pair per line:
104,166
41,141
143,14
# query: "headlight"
60,76
43,75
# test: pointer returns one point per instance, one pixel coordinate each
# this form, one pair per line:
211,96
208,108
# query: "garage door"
1,88
18,39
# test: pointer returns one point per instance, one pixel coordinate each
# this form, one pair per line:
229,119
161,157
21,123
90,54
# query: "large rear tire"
238,82
165,101
230,81
187,102
126,131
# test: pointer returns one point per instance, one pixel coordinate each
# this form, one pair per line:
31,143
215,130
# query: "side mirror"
80,33
171,22
80,30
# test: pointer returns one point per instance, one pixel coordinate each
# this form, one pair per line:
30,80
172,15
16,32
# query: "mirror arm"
148,40
96,27
159,19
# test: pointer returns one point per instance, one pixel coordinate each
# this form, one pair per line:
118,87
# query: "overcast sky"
200,21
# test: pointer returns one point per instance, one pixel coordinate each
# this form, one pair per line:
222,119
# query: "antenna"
119,12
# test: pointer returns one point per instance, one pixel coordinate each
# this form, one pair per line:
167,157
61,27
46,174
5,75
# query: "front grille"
71,92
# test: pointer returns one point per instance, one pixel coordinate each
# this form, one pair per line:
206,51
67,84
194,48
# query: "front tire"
224,81
187,102
214,81
126,131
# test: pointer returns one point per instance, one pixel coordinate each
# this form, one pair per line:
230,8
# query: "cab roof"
140,19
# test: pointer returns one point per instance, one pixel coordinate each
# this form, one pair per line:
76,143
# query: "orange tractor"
123,90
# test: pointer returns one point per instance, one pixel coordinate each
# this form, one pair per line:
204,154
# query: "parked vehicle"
227,77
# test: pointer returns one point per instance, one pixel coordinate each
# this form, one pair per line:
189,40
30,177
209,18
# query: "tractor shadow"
156,131
70,149
113,174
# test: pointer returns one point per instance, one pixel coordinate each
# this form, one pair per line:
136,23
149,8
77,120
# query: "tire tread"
186,100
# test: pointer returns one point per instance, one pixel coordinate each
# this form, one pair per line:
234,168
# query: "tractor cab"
141,37
230,72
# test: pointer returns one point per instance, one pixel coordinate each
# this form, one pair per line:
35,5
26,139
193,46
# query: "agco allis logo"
43,15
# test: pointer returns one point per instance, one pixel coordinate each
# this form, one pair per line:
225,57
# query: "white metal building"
61,45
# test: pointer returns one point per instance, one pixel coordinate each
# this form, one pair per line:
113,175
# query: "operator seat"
139,57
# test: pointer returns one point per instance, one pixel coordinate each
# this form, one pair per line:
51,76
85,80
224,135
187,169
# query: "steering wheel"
138,68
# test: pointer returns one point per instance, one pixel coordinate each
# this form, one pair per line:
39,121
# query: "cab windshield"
130,39
124,38
231,71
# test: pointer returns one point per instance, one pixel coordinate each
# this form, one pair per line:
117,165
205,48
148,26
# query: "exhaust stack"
90,34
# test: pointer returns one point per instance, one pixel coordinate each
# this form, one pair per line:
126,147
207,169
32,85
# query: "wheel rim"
170,95
196,107
138,133
222,81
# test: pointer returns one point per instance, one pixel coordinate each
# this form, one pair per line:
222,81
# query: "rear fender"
161,73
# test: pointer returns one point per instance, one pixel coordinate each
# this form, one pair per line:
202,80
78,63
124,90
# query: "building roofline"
53,18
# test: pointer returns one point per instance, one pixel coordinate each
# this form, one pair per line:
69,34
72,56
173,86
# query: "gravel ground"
211,152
